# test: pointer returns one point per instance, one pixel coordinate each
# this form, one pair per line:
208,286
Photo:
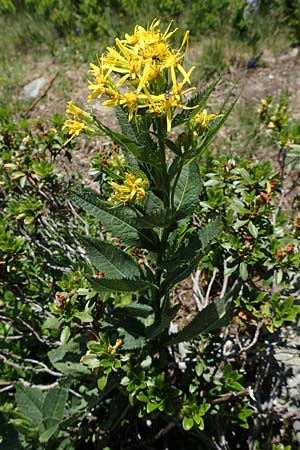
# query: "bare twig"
33,331
44,368
198,296
11,338
232,396
7,388
212,280
225,280
254,340
40,387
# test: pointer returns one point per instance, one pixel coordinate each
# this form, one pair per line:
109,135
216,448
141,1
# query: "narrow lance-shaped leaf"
209,232
136,310
182,264
214,316
109,259
212,130
198,100
114,285
163,323
161,219
139,151
127,128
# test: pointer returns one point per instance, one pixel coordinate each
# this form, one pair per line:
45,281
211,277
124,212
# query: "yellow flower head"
264,102
133,189
74,128
116,161
203,119
77,112
140,70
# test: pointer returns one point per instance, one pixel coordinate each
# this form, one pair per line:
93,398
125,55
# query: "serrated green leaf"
199,99
130,325
185,254
118,220
131,343
188,188
109,259
139,151
182,264
212,317
117,285
161,324
172,146
209,232
127,128
136,310
30,403
161,219
130,130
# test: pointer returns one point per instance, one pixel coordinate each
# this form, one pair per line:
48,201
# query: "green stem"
164,171
158,272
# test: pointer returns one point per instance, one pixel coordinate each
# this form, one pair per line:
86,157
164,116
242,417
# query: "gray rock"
33,89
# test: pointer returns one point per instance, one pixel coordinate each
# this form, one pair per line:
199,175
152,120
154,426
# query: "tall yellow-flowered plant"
144,76
150,192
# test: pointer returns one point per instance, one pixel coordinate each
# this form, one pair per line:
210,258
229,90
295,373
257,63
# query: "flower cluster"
133,189
142,72
80,122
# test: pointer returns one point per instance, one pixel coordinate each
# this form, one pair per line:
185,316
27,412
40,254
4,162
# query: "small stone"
33,89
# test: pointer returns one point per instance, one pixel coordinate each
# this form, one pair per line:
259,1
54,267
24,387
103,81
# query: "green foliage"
44,409
113,359
105,19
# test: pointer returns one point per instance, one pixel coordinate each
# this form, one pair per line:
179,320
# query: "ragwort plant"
148,203
149,188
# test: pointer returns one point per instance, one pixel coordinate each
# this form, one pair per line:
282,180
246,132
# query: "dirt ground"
274,75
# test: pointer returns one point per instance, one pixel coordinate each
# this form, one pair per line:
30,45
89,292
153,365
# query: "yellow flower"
100,81
116,160
203,119
77,112
165,104
145,66
74,128
132,189
264,102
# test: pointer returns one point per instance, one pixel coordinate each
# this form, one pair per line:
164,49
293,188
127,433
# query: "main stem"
166,230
